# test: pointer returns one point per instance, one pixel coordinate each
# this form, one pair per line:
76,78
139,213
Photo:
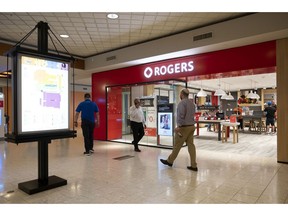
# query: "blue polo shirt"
87,109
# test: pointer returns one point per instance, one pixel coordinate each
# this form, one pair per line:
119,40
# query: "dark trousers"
87,130
138,132
241,123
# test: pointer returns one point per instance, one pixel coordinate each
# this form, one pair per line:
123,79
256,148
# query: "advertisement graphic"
165,124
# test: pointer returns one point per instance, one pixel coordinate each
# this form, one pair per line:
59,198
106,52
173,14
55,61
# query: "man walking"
137,122
184,132
87,108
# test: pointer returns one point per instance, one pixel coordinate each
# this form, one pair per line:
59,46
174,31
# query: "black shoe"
137,150
87,153
192,168
166,162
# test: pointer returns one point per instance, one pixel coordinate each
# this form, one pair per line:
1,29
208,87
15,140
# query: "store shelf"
248,104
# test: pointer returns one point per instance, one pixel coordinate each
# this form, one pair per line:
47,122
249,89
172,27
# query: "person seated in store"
208,117
238,111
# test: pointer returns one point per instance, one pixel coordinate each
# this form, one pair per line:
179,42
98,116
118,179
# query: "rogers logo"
148,72
170,69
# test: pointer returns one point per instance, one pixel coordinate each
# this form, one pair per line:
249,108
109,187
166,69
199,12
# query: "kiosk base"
35,186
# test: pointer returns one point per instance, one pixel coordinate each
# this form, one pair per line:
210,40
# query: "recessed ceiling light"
64,36
112,16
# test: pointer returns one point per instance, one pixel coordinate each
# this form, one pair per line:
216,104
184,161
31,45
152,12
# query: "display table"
217,122
255,123
225,128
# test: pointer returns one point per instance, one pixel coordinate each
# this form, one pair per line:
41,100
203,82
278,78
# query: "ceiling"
93,33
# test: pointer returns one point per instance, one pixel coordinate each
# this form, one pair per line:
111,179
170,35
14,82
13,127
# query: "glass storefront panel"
158,101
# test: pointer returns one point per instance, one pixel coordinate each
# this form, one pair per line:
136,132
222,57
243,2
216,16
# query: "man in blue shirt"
87,108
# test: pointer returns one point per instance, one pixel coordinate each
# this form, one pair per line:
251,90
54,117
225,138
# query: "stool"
224,134
225,131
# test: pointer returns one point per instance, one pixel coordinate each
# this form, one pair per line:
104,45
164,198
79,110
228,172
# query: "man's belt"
186,125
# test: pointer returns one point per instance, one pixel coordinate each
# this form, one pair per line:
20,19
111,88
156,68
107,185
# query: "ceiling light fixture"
224,97
255,93
251,95
112,16
64,36
219,91
201,93
229,96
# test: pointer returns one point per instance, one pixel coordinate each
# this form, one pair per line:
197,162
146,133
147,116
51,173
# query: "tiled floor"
246,172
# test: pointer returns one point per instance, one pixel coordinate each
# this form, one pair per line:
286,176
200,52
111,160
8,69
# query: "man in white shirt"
137,122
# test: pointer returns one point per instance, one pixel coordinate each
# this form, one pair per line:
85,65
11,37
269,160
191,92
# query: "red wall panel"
114,111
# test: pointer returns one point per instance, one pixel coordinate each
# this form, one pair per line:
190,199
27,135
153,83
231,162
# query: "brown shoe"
166,162
192,168
137,150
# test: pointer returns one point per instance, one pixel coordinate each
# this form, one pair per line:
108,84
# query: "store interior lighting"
224,97
256,95
229,97
219,91
251,94
201,93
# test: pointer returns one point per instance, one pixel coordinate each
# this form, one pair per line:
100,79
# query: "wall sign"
178,67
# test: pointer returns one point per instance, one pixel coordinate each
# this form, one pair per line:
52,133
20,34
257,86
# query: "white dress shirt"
136,114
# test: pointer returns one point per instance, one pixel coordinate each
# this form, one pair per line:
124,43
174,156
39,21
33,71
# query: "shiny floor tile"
242,173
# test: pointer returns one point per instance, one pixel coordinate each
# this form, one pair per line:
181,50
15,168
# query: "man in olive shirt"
184,132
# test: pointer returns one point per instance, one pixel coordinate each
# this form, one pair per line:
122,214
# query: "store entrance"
154,98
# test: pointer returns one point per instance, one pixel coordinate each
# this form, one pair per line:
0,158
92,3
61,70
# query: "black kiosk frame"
43,137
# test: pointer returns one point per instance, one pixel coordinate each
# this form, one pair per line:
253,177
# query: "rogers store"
158,84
